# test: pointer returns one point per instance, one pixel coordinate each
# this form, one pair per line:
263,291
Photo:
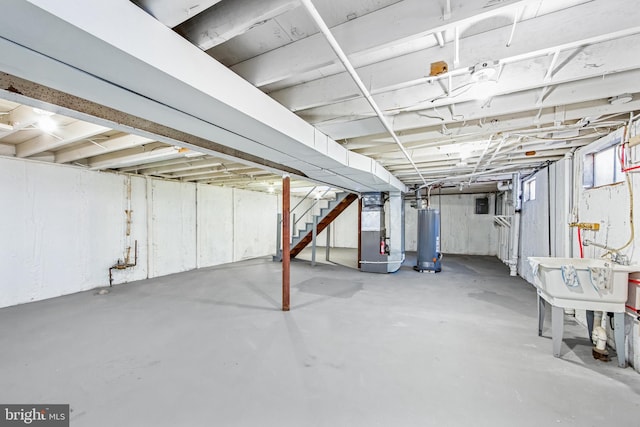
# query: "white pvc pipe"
465,176
600,337
356,78
515,225
568,187
502,186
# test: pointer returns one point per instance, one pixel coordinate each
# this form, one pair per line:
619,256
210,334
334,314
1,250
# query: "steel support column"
328,230
359,231
286,242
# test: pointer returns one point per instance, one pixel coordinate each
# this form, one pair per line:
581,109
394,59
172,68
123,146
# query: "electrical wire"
580,243
631,225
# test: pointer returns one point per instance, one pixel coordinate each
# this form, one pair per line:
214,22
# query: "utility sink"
582,283
590,284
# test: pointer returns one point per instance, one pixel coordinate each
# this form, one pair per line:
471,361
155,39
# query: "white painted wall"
215,231
62,227
607,205
463,231
534,225
254,218
344,230
173,224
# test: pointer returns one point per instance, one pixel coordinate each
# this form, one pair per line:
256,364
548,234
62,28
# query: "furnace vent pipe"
313,12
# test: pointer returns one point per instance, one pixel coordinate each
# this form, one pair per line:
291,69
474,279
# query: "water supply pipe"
600,338
313,12
119,265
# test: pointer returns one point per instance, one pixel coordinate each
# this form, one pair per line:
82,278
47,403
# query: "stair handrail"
310,207
303,199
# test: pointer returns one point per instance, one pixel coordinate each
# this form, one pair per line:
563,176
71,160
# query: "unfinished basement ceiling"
525,83
36,134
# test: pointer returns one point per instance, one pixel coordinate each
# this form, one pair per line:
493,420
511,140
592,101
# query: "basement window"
602,166
530,190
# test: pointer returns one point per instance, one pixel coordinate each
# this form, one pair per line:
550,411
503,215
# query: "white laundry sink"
582,283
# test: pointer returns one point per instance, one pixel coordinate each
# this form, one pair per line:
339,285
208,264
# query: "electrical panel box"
482,205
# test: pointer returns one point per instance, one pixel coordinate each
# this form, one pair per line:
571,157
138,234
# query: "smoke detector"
484,71
625,98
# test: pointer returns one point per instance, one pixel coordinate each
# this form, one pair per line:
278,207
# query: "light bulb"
47,124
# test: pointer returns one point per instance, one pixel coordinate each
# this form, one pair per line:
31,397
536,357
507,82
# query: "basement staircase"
326,217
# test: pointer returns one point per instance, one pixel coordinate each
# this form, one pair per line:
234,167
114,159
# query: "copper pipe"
123,266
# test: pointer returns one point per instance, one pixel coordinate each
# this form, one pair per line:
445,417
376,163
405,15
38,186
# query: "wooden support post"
286,242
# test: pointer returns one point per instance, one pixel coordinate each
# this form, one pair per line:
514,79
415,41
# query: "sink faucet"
616,256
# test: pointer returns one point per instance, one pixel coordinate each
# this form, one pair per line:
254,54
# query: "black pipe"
123,266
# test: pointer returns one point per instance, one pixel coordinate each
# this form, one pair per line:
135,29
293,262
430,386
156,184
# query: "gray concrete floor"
211,348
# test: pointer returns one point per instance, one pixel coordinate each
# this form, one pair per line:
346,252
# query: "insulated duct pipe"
356,78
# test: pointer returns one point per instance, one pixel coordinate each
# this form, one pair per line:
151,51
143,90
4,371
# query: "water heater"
428,240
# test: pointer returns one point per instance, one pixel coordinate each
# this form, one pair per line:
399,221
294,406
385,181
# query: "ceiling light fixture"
483,71
484,74
47,124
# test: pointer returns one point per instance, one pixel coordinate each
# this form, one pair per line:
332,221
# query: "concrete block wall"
463,231
62,227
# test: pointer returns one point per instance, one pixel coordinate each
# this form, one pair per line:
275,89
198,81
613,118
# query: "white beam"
109,145
173,12
417,21
184,165
68,134
522,77
7,150
204,101
581,25
230,19
141,154
18,119
152,165
354,75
